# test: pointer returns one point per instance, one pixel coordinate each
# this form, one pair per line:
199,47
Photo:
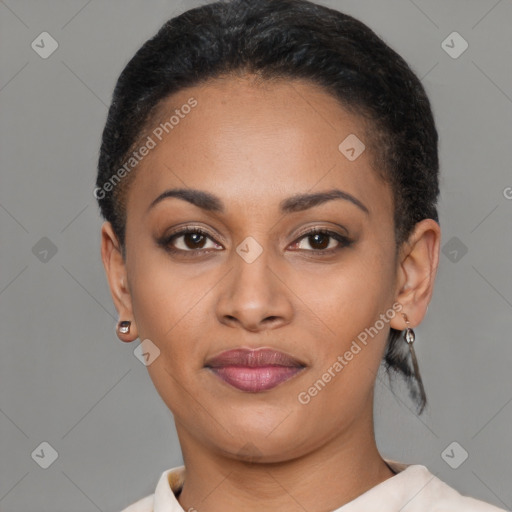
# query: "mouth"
254,370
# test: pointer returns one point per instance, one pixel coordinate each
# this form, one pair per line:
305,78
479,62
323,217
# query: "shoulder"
446,499
163,498
143,505
425,492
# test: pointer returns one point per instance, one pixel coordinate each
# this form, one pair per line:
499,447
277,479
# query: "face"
292,250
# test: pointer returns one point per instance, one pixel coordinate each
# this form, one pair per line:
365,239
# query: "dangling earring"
124,326
409,337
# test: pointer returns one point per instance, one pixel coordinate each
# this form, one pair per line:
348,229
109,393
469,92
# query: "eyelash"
166,241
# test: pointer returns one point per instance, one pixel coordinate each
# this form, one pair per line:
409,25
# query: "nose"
254,296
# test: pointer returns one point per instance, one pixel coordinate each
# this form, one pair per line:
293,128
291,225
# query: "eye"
195,240
189,240
321,241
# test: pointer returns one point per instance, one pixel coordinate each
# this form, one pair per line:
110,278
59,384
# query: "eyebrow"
296,203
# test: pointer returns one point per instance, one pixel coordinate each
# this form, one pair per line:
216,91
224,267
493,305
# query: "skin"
254,144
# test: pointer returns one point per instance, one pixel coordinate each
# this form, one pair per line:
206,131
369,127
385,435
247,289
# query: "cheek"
347,298
349,356
164,300
169,311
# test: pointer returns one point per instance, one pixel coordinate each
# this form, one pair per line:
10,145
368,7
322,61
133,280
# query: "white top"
412,489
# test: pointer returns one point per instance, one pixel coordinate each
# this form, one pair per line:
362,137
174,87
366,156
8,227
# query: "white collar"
412,489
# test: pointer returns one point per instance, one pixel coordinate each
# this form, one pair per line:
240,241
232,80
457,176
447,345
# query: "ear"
417,267
115,269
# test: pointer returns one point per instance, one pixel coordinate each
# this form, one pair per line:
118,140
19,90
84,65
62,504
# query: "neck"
324,479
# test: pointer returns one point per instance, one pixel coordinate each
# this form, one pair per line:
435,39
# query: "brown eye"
189,240
194,240
321,241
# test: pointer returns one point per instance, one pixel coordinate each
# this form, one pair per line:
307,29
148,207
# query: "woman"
269,177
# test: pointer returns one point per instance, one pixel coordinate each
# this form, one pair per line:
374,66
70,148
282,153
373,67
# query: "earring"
124,326
410,337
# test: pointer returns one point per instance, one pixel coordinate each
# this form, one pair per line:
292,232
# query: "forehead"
252,142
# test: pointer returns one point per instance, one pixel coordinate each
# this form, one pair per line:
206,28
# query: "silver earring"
410,337
124,326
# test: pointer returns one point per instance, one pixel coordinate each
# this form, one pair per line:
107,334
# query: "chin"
258,442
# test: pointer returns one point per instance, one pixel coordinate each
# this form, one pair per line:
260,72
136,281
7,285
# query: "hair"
290,40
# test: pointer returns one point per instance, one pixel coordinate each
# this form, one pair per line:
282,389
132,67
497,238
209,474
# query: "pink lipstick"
254,370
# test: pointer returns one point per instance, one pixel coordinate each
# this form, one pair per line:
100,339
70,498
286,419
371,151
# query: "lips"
254,370
253,358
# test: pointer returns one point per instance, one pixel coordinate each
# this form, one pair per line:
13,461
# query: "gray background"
65,377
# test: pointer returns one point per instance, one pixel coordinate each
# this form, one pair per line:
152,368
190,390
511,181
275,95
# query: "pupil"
323,238
195,237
